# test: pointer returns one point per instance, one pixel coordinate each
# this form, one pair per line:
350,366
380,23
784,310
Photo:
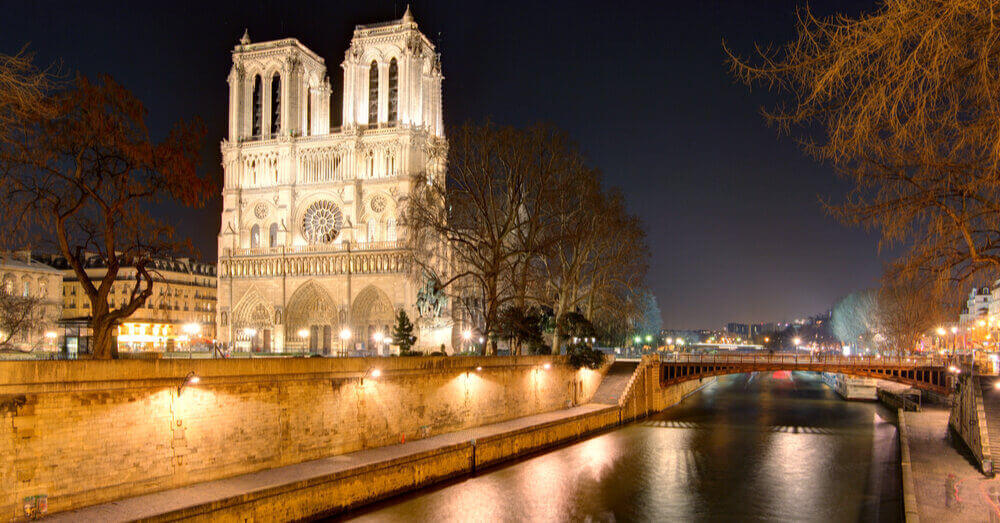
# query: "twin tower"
310,256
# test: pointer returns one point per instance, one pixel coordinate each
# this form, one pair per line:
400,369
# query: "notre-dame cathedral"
310,257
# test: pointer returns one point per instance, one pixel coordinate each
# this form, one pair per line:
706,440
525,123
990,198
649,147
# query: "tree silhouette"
89,175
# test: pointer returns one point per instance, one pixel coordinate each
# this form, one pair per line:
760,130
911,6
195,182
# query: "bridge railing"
811,359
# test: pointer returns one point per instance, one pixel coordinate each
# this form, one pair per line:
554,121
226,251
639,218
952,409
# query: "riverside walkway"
205,499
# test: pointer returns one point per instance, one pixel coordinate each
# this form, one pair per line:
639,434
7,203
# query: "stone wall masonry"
87,432
968,420
644,395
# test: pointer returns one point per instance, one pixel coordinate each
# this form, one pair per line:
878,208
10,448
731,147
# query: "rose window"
321,222
260,210
378,204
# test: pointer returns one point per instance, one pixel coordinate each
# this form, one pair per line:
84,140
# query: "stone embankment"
286,439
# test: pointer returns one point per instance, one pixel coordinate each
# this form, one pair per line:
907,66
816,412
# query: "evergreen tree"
402,332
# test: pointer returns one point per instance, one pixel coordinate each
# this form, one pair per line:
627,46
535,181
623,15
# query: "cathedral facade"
310,250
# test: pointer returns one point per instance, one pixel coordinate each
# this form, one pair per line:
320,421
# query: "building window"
390,230
272,235
275,105
373,93
25,290
372,230
309,111
255,236
257,105
393,91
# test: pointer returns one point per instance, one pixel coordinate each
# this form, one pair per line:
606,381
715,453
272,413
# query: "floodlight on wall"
372,373
190,379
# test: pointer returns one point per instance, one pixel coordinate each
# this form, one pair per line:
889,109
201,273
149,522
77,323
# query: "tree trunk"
101,346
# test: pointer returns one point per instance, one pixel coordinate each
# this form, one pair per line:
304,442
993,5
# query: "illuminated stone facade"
309,247
22,275
183,294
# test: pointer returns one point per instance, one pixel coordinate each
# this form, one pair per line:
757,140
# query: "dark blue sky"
731,208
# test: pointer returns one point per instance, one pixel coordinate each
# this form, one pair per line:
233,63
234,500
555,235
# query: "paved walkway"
935,453
149,505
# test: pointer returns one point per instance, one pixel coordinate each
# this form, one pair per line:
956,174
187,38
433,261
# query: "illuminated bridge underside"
927,374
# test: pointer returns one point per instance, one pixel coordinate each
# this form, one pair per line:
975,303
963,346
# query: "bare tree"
524,223
21,320
598,264
464,232
23,90
903,102
854,319
88,175
907,310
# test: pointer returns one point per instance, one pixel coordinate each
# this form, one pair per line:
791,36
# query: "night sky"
731,209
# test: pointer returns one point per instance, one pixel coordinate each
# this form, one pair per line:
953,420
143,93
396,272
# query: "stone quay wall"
644,395
968,420
88,432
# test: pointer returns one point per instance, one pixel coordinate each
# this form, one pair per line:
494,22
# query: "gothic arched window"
373,93
275,105
390,230
272,235
257,105
309,111
255,236
393,91
372,230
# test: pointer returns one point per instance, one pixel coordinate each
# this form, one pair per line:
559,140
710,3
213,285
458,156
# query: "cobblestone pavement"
934,454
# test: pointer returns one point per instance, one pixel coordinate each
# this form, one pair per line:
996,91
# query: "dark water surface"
768,446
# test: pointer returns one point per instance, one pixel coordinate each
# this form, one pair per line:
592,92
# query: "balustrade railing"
309,249
812,359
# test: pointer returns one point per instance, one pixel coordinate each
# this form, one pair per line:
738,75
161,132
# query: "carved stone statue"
430,299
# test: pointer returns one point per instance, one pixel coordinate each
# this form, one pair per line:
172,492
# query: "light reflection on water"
768,448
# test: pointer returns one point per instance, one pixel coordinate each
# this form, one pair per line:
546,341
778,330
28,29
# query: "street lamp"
797,341
345,334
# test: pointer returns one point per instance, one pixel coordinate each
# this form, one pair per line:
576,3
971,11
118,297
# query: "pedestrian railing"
796,359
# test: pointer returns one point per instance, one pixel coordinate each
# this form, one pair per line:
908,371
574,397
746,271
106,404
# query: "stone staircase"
615,382
991,406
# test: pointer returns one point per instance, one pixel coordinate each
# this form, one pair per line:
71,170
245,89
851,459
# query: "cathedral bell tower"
392,77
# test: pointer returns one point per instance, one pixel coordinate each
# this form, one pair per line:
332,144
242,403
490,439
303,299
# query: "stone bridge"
933,374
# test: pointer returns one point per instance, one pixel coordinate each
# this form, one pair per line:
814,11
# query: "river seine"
765,446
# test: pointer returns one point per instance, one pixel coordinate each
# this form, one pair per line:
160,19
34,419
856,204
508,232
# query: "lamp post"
304,336
345,334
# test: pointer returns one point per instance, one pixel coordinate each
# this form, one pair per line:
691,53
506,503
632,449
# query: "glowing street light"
638,339
378,337
797,341
954,330
191,329
345,334
649,338
467,335
941,331
303,333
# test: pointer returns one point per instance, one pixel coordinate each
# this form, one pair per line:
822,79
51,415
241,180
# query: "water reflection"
772,447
